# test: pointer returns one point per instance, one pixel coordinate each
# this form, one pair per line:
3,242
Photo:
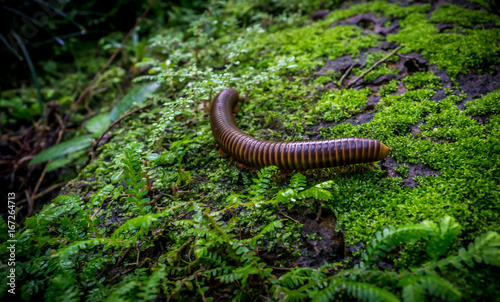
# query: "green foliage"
68,147
389,88
297,194
381,69
338,104
421,80
136,180
402,170
262,183
233,235
457,52
136,95
362,291
438,238
488,104
460,16
415,287
416,282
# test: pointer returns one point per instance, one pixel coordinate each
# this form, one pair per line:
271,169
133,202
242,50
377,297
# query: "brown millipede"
251,152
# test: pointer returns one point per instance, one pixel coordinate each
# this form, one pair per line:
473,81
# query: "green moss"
389,88
337,104
421,80
487,104
309,44
402,170
460,16
389,9
457,53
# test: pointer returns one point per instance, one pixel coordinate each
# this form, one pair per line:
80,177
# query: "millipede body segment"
252,152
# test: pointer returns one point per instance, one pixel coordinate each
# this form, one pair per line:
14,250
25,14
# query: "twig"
123,256
43,192
346,73
279,268
296,222
30,203
320,211
374,65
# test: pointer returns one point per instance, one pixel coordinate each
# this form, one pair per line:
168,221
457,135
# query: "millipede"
250,153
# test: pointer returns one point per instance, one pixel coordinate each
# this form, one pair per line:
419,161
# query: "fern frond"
150,289
296,277
75,247
440,238
391,238
98,198
413,292
362,291
298,182
316,193
268,228
486,248
439,287
262,183
141,224
415,287
241,273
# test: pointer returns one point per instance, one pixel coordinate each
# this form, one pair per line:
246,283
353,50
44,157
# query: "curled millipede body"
251,152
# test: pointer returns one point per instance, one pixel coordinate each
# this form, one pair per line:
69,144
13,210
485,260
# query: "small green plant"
415,282
402,170
136,178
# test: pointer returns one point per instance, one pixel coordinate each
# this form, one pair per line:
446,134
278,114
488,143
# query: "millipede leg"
222,153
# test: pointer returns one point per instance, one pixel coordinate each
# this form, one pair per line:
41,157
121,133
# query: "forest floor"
157,213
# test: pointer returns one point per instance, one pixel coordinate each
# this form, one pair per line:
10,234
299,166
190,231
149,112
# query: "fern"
140,224
122,290
484,249
241,273
318,192
150,288
298,182
296,277
268,228
415,287
442,236
100,196
438,238
362,291
132,166
390,238
262,183
75,247
296,190
62,288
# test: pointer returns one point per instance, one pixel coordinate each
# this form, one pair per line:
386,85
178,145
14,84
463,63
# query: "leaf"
440,287
98,123
152,156
413,293
71,146
135,95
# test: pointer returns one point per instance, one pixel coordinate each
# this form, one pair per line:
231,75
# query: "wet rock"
475,85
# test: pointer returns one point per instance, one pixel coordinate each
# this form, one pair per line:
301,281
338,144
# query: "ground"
159,214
